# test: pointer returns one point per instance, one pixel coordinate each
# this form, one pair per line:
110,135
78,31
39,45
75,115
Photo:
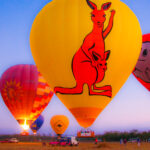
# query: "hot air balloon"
59,124
37,124
25,93
142,68
89,57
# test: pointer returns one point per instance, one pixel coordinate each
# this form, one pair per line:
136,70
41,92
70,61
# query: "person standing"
125,141
96,140
138,142
121,141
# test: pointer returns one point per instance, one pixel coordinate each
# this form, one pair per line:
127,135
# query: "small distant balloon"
37,124
59,124
25,93
142,68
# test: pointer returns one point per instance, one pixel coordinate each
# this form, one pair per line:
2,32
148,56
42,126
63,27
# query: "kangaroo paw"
74,90
56,90
109,93
105,88
105,93
109,88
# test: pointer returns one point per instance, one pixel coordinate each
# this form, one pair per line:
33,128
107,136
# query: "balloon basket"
24,133
85,134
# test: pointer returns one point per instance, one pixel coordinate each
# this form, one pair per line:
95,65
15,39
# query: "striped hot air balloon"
25,92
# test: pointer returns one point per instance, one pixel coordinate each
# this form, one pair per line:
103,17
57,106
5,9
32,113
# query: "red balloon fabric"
142,68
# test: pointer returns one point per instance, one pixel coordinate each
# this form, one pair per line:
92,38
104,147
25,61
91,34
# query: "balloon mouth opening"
85,116
25,126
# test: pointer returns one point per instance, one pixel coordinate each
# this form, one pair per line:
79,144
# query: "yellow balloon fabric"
59,124
71,41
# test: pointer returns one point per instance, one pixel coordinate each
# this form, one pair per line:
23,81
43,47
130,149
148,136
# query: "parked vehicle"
54,143
4,141
13,140
71,141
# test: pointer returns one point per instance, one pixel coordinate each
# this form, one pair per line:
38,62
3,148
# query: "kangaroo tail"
75,90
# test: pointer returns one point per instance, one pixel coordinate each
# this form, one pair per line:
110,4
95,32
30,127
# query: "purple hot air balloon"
37,124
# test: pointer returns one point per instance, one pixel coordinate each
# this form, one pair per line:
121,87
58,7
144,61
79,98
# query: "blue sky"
128,110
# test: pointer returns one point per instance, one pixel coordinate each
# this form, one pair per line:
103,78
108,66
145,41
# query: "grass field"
82,146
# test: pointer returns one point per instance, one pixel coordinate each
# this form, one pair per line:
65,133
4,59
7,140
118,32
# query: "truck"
73,141
12,140
64,141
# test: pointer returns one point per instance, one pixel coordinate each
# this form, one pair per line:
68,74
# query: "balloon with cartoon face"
142,69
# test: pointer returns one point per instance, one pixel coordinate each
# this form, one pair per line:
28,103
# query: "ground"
82,146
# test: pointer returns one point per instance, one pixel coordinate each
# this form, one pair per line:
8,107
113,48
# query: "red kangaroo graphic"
89,63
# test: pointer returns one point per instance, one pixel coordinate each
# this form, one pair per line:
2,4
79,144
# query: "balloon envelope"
90,57
59,124
37,124
142,68
25,92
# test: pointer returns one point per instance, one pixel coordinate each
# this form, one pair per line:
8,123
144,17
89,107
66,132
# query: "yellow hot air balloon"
59,124
90,48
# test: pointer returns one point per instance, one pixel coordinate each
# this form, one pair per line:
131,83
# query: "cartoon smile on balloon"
89,63
86,59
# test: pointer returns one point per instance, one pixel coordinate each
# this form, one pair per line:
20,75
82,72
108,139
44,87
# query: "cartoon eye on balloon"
87,58
59,124
25,93
142,68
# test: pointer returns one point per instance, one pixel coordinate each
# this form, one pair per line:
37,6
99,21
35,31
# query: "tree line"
108,136
116,136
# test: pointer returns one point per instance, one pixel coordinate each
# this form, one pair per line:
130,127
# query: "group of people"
124,141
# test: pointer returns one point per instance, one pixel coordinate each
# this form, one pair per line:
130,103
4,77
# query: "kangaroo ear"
107,53
106,6
91,4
